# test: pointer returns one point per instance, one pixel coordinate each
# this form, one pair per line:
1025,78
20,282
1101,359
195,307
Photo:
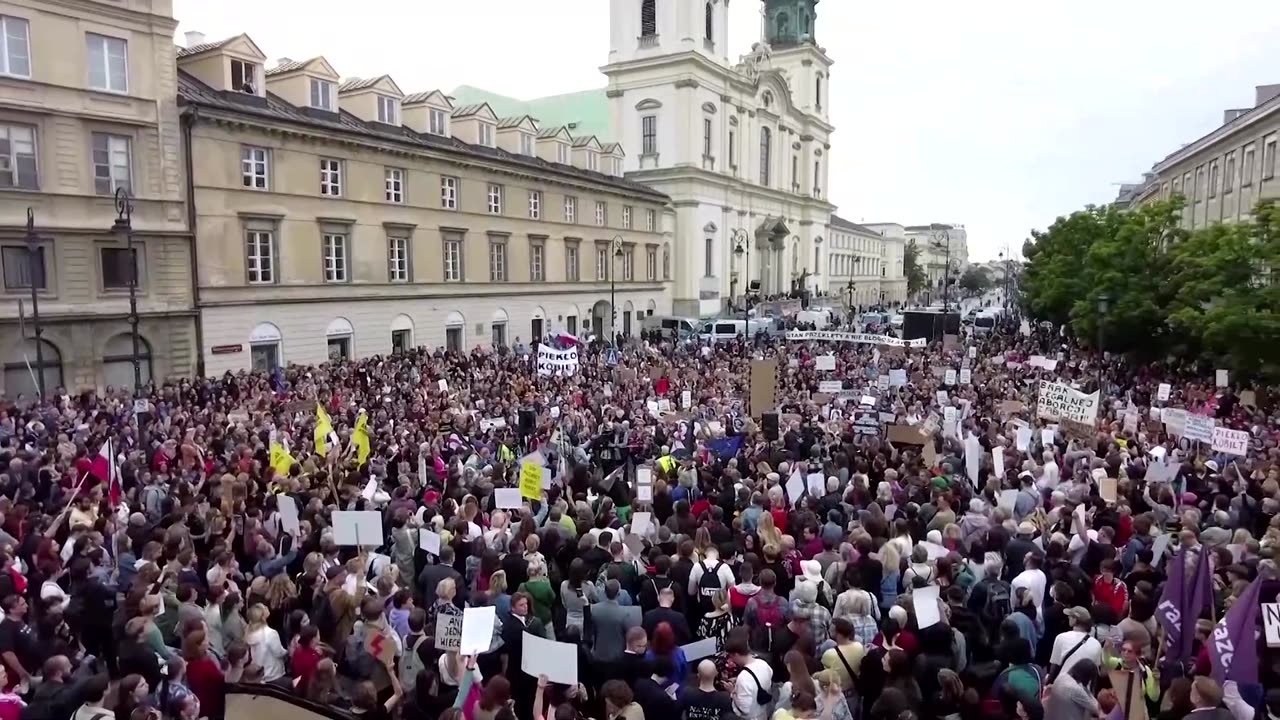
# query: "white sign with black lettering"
1059,401
557,362
1271,623
448,632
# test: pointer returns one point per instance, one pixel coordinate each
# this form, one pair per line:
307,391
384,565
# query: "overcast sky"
997,114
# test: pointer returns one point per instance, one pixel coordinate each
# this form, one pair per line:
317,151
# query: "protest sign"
830,387
1162,394
477,630
1232,442
1059,401
556,660
449,632
862,338
357,528
825,362
557,362
530,480
1198,428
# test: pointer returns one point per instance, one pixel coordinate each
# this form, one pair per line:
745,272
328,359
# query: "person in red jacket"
204,674
1109,591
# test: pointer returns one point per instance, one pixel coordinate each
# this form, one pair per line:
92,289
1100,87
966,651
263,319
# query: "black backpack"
709,583
323,615
998,605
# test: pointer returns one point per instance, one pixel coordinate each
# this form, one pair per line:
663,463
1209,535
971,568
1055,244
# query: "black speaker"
527,421
769,421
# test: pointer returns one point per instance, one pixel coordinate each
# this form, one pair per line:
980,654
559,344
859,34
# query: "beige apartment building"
1224,174
88,106
865,263
350,218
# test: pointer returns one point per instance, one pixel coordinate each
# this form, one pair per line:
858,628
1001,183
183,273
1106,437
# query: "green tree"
975,280
912,269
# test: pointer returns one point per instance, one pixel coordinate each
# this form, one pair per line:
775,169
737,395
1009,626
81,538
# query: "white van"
724,329
673,326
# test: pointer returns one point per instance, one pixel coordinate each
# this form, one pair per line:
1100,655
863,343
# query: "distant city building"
1224,174
870,257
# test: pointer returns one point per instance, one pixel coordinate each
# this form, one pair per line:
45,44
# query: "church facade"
742,147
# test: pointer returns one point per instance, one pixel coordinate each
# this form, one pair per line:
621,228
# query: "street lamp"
848,289
742,246
124,226
35,269
944,237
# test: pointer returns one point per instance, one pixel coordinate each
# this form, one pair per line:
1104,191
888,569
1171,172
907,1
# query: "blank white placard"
356,528
507,498
429,541
288,514
925,602
540,656
695,651
477,629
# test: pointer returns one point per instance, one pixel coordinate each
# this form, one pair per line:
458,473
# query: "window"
651,264
18,157
108,63
537,262
733,149
398,259
535,204
706,137
452,257
495,199
499,334
666,262
321,94
649,135
260,257
18,270
1213,178
817,258
15,47
254,164
817,178
1229,180
526,144
244,77
448,192
1246,167
1187,188
1177,186
602,212
650,219
110,163
602,262
817,92
394,182
335,257
570,209
766,148
571,263
119,267
626,217
627,269
1269,157
486,134
648,18
708,257
562,153
1199,183
330,177
497,260
439,122
388,110
593,161
795,172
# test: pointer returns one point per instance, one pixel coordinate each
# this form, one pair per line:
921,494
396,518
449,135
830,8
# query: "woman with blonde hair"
264,644
702,544
767,532
531,553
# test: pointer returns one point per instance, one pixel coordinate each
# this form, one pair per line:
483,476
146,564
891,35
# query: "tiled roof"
547,133
584,141
419,97
193,92
288,67
468,110
358,83
202,47
610,147
843,224
510,122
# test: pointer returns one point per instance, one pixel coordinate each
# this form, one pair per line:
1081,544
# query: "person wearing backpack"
765,617
417,651
705,579
991,600
751,696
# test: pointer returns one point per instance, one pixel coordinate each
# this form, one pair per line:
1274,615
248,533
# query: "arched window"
766,152
648,18
804,20
22,366
117,361
784,26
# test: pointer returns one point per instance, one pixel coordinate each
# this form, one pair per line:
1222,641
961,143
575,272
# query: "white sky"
998,114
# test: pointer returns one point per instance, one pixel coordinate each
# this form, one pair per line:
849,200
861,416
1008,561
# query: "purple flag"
1233,649
1170,610
1201,593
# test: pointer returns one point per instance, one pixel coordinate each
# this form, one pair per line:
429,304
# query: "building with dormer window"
345,218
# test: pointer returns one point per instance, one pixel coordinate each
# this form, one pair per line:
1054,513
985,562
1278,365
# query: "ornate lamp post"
35,269
742,246
124,226
1104,306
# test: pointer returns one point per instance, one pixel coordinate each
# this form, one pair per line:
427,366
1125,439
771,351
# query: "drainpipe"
189,116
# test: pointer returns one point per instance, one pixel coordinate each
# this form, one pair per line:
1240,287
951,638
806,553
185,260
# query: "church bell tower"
788,23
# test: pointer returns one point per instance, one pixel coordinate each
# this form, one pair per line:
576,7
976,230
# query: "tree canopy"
1208,294
975,280
912,269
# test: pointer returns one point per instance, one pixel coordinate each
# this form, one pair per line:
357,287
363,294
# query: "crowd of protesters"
146,571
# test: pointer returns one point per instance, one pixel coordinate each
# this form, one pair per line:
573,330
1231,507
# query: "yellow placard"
530,480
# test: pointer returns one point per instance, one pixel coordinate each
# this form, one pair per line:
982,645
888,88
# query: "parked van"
673,326
723,329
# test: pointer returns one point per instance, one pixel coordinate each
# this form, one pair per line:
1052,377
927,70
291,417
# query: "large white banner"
863,338
1059,401
557,362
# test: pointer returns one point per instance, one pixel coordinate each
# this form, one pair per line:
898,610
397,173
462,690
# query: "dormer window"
593,161
388,110
526,144
486,134
439,120
321,94
244,77
562,153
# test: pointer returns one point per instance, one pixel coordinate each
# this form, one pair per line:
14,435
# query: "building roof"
837,221
359,83
204,47
930,226
507,123
464,111
272,108
287,67
584,113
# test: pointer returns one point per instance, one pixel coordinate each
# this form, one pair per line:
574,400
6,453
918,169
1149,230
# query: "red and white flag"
105,469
